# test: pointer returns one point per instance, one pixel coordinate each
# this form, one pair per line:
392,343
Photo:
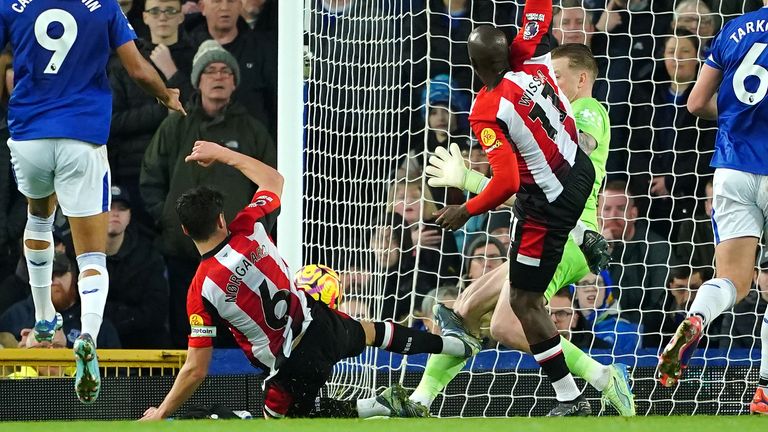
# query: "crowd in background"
387,83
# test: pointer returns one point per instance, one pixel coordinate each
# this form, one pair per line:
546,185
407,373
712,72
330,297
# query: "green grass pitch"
591,424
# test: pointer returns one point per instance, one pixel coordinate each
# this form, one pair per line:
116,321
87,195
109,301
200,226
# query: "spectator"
599,308
682,286
261,16
640,257
632,27
394,268
212,116
696,17
438,254
65,299
571,324
730,9
445,114
484,254
449,23
695,241
138,292
132,10
137,115
255,55
683,143
445,295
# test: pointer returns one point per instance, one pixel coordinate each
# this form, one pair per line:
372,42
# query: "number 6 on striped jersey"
61,45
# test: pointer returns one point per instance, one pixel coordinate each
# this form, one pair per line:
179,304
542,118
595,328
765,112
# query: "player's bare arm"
190,376
703,99
147,77
587,143
205,153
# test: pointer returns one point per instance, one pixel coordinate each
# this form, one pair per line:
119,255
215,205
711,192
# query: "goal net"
387,81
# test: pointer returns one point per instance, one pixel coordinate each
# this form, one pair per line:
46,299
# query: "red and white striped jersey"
525,123
246,283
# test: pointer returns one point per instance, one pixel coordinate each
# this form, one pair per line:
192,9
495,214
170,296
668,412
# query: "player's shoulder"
590,104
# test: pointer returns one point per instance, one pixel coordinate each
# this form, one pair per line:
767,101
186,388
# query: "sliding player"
281,329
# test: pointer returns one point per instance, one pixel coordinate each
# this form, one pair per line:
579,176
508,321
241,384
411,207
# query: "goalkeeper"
575,70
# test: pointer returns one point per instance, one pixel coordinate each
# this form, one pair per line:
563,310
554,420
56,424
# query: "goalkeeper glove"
595,250
447,169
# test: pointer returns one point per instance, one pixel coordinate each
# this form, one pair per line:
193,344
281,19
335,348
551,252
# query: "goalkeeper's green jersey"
592,118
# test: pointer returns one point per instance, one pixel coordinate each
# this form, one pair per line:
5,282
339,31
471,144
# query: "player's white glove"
447,169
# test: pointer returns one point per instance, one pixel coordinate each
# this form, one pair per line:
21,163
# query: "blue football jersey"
60,53
739,51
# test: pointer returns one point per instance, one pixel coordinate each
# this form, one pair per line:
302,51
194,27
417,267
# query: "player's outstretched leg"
735,260
404,340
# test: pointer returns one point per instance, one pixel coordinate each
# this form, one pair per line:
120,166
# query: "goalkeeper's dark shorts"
330,337
541,229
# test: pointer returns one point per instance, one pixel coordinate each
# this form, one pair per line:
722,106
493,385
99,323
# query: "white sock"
714,297
452,346
601,378
421,397
566,389
371,408
93,298
93,291
764,347
40,268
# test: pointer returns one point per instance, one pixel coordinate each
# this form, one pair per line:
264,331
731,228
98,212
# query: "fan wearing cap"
138,299
212,116
65,299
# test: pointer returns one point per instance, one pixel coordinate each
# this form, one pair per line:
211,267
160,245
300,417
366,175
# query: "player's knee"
92,264
507,335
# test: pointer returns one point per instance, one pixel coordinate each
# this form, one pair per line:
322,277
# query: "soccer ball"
320,282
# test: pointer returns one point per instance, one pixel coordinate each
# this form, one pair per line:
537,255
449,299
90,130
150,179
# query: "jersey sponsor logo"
534,16
531,30
259,253
203,331
488,137
196,320
261,201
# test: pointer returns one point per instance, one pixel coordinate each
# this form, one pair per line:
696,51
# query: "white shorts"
78,172
739,204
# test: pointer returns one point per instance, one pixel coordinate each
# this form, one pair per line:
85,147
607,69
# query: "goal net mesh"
387,81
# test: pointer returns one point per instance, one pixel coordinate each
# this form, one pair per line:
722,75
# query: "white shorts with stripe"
739,204
78,172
